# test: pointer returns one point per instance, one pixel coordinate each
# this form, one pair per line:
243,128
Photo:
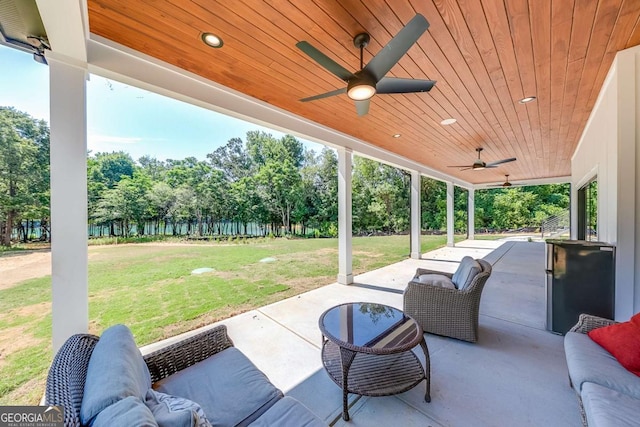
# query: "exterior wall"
609,149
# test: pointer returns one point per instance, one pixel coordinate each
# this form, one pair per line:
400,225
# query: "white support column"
69,270
450,214
416,215
345,264
471,215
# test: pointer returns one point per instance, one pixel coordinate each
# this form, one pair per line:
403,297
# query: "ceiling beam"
66,24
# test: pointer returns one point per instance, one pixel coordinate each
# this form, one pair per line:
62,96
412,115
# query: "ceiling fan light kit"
361,88
362,85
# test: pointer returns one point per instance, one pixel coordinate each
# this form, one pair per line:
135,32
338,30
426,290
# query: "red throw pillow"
622,340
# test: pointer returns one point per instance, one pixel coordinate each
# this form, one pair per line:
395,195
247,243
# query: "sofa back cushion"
436,280
116,370
129,411
467,270
622,340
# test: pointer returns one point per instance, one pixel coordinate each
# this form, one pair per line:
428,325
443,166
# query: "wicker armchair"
444,311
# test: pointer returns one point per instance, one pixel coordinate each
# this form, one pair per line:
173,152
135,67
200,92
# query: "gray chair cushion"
175,411
288,412
116,370
609,408
436,280
130,411
588,362
228,387
467,270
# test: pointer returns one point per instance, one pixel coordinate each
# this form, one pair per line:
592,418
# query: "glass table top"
370,325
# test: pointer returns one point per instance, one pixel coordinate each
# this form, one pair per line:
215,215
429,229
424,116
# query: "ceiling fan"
363,84
479,164
505,184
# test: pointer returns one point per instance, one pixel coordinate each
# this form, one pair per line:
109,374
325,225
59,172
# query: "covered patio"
487,57
505,71
515,374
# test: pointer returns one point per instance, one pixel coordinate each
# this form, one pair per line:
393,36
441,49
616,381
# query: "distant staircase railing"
555,225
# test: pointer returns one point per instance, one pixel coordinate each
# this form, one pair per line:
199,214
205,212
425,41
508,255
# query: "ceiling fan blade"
326,62
397,47
362,107
499,162
395,85
325,95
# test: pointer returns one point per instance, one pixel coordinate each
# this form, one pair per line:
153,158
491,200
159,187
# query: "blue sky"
122,117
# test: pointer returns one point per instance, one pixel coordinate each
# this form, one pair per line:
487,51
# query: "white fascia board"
112,60
527,182
66,24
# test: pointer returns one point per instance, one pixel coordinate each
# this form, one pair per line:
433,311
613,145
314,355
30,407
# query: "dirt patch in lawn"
15,340
16,267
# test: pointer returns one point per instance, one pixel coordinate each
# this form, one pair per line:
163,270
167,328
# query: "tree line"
257,186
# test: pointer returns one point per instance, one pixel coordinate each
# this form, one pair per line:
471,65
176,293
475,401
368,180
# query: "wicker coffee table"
366,349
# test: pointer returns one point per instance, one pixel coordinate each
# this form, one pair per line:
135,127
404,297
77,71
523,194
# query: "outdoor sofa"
608,394
107,382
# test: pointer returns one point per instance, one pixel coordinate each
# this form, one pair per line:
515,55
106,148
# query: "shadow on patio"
515,375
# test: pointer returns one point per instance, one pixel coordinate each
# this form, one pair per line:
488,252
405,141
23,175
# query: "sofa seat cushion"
609,408
288,412
436,280
116,370
467,270
588,362
228,387
130,411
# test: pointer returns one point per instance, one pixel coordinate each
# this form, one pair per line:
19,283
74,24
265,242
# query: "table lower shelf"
372,374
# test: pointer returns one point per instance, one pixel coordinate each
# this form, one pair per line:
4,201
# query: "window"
588,211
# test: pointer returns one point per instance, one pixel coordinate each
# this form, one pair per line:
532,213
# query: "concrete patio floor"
515,375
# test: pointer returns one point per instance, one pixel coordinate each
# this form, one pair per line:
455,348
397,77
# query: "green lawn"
150,288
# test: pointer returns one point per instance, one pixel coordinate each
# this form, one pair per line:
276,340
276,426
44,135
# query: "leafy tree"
24,170
162,198
513,208
154,168
126,204
326,184
380,197
232,160
434,204
113,166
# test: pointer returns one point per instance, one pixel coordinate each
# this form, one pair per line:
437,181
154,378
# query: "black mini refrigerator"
580,279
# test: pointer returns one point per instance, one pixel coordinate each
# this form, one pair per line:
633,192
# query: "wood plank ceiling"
485,55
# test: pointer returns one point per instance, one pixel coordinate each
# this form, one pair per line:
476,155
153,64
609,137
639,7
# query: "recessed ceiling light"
396,135
212,40
447,122
527,99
